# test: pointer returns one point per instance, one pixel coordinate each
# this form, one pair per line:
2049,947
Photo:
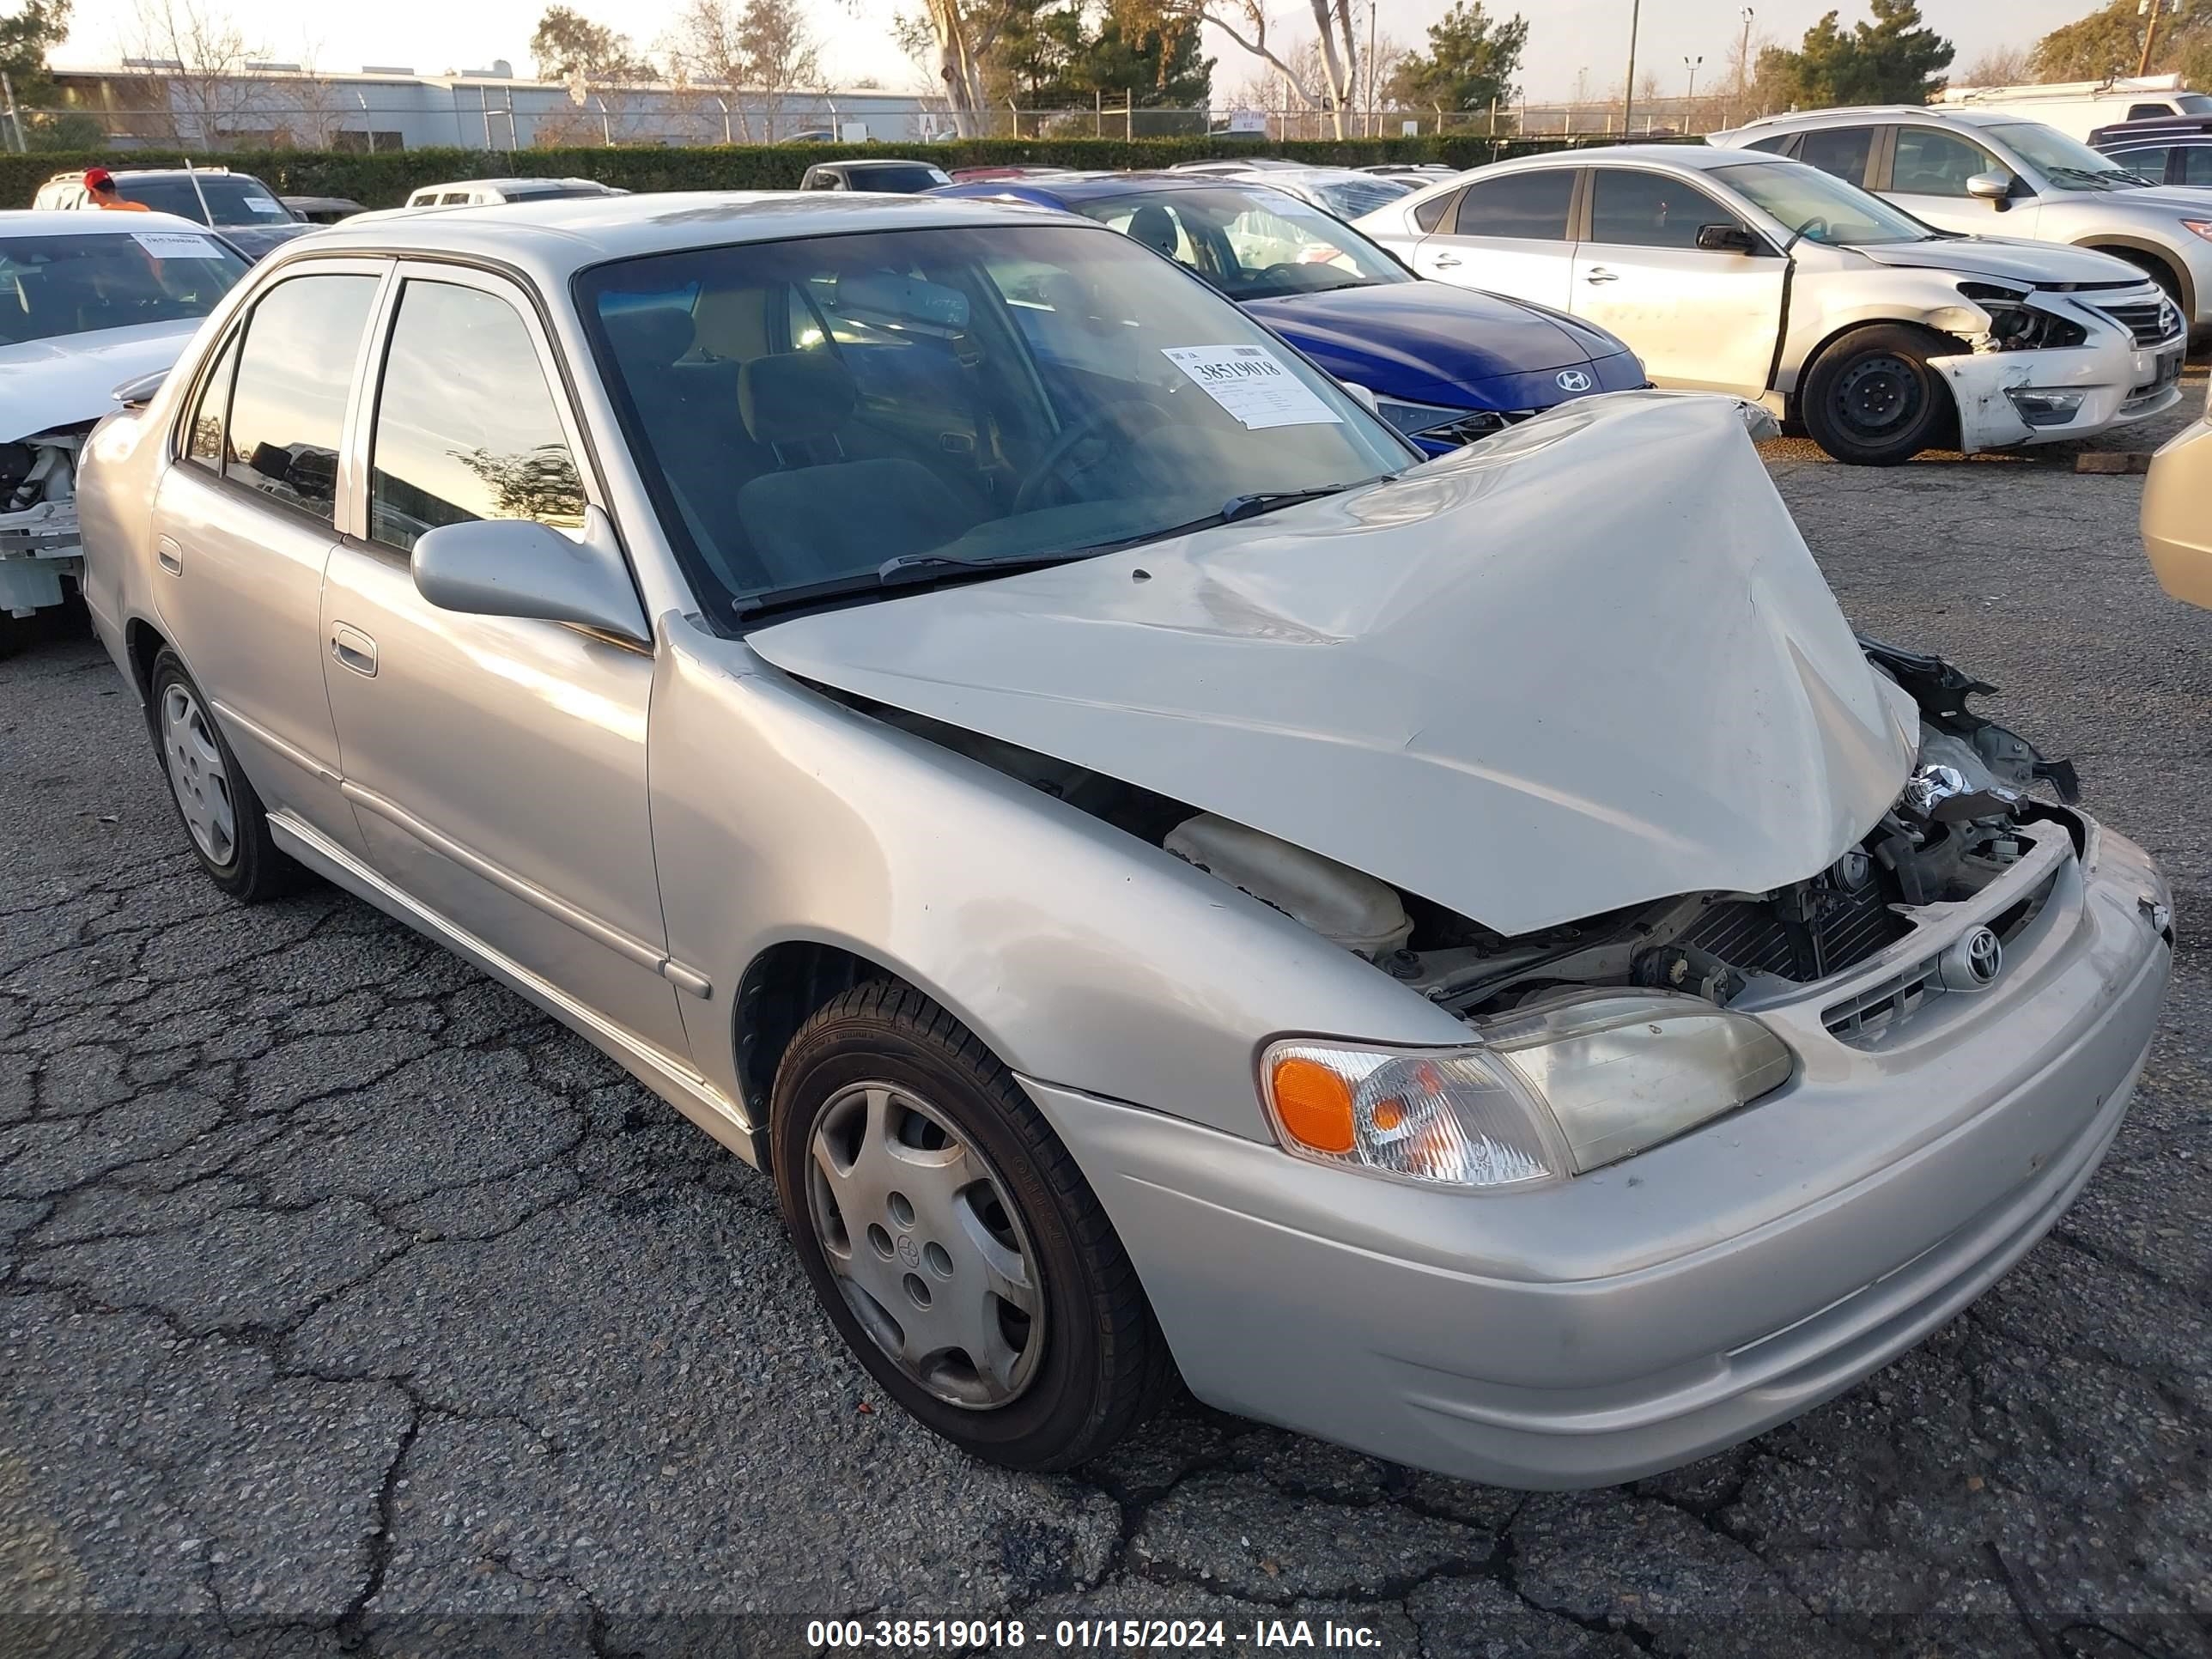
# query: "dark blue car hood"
1431,342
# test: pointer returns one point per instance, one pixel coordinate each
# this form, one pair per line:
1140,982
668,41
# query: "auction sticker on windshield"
1251,383
176,245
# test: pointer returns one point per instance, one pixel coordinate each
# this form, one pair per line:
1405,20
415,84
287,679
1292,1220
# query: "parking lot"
351,1303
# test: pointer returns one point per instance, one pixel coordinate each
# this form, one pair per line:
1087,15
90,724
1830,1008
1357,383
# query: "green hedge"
384,180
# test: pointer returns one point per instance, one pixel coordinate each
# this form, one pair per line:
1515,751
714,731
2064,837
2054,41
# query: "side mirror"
1364,396
1989,186
136,394
519,568
1725,239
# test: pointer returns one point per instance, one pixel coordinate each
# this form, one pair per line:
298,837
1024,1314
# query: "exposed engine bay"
39,542
1962,821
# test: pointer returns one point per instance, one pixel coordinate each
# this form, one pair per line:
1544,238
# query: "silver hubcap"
196,774
932,1255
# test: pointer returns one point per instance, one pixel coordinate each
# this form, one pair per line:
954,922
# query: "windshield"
1820,206
1249,241
1353,198
2068,163
2192,103
232,200
809,411
896,180
55,285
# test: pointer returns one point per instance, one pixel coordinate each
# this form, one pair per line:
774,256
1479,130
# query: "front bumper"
1673,1304
2119,382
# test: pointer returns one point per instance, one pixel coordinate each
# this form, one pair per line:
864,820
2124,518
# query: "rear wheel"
1871,399
220,812
951,1239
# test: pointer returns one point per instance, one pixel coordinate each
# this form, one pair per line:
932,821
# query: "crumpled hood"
61,381
2043,265
1582,664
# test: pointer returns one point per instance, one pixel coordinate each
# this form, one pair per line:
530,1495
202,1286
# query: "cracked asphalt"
352,1305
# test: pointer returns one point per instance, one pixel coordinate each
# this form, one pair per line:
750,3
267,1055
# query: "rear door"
244,528
1508,235
1848,153
1701,318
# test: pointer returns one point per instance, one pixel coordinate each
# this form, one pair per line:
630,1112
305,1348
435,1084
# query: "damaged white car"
87,303
1472,960
1733,270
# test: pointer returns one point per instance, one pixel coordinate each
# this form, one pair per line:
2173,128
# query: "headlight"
1442,425
1555,1088
2017,325
2201,227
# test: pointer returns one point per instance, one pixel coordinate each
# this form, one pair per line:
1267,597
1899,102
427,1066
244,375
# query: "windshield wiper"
1252,506
2099,179
925,566
906,568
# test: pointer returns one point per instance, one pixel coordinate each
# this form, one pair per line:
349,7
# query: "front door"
1507,235
1928,167
243,528
1697,318
496,766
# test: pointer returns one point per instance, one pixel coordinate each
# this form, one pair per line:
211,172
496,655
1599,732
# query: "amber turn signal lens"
1314,1104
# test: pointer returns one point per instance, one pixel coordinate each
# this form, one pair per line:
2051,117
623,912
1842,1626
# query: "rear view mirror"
1725,239
519,568
896,301
1989,186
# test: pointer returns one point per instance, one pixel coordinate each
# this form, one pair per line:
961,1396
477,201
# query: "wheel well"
1943,344
2160,270
779,992
143,644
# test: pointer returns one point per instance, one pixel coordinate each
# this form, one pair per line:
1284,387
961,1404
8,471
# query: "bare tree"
961,34
203,53
1332,84
781,55
2000,66
706,50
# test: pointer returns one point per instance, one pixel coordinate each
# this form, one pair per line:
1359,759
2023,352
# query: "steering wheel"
1108,414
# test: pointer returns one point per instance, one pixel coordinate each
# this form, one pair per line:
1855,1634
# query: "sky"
1565,37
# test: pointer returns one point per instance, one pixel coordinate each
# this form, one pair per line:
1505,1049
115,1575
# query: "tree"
1893,61
764,46
24,39
2108,41
566,44
2000,66
205,94
1332,82
1470,63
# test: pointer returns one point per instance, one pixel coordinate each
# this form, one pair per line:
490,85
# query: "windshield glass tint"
54,285
1353,198
232,200
807,410
1819,207
1251,242
896,180
2068,163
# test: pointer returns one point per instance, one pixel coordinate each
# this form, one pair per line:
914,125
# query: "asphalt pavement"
350,1305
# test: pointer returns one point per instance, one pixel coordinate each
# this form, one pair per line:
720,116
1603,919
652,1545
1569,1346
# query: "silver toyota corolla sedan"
1474,960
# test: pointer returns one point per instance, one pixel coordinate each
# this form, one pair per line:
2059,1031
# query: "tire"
222,817
1870,399
902,1096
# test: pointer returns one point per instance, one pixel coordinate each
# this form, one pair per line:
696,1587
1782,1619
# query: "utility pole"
1743,66
2150,32
1692,63
1628,92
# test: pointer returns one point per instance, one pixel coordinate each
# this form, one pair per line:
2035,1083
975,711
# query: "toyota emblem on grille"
1984,955
1573,379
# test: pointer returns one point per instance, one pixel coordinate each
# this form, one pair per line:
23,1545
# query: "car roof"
511,184
1945,115
44,222
550,240
1096,186
881,161
156,172
1697,158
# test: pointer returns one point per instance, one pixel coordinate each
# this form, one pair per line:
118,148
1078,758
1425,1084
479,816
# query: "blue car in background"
1447,365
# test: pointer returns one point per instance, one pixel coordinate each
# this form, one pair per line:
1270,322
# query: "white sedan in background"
87,300
1731,270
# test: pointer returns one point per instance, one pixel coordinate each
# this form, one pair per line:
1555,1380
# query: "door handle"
1599,274
170,556
353,649
1444,262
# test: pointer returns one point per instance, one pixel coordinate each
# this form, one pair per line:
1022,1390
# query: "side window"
1430,213
1532,205
2148,112
287,410
1932,163
204,443
1649,209
466,423
2196,164
2150,162
1778,145
1840,150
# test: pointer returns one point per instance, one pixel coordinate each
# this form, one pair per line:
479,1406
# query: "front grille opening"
1840,931
1864,1019
2143,320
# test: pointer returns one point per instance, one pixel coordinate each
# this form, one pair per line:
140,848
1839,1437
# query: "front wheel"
951,1239
1871,399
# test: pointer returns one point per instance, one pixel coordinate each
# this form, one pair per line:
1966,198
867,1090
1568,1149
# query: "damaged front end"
2043,364
39,546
